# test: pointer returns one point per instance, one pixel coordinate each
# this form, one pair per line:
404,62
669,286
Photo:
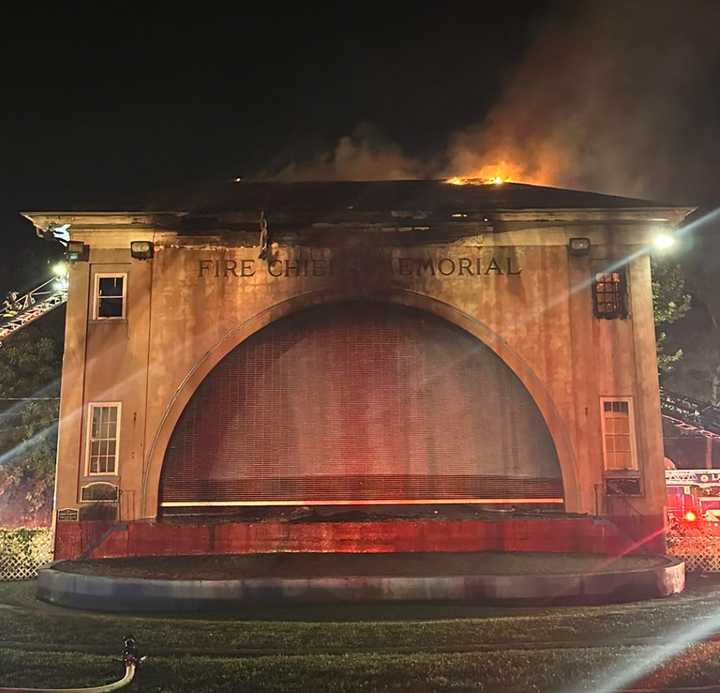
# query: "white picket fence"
23,551
698,546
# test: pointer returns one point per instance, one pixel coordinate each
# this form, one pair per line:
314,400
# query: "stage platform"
460,529
197,583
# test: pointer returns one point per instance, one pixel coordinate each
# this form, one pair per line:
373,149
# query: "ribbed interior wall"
360,402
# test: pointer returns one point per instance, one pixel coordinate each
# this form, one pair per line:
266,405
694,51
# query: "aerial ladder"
689,415
18,311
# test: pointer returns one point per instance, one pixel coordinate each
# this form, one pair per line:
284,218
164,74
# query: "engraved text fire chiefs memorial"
460,266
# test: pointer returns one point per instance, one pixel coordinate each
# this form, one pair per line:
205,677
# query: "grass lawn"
408,647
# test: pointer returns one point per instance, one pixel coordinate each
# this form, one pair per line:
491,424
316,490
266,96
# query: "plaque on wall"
627,486
68,515
99,492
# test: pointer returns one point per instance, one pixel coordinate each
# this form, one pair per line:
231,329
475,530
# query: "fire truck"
693,494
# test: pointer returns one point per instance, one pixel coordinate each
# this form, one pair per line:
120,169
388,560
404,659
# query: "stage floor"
187,583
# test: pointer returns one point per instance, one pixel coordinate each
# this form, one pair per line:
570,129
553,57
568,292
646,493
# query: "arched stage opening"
359,402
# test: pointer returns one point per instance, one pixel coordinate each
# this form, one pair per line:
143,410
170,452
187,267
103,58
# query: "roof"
232,203
368,196
376,196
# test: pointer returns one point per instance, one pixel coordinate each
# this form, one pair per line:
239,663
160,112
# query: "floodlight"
60,269
579,246
663,241
141,250
76,250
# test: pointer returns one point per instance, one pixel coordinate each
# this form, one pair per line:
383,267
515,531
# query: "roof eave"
128,218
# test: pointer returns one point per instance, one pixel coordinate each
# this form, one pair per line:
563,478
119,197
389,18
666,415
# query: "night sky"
122,99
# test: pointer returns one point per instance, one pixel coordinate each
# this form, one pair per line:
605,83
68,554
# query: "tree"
670,303
30,364
698,374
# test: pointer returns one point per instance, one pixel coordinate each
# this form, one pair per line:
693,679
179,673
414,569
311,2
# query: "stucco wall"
526,298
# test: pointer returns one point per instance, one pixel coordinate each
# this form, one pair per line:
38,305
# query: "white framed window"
618,434
103,438
110,296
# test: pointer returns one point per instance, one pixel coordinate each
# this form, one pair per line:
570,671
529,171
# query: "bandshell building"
360,367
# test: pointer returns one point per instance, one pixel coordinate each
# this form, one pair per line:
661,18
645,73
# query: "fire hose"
130,658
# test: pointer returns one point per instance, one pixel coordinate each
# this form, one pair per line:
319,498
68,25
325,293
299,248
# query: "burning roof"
431,196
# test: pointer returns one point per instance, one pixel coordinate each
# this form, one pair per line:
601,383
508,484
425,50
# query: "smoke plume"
363,155
618,97
614,96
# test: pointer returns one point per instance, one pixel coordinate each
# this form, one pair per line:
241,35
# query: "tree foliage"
671,302
698,373
29,389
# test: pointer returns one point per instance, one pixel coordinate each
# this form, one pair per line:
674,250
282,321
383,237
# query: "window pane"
624,460
110,286
618,432
103,439
110,308
609,295
622,443
97,420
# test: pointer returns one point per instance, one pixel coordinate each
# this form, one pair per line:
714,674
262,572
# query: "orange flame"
503,172
460,180
476,157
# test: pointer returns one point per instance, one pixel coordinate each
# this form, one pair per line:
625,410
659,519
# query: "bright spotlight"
60,269
663,241
690,516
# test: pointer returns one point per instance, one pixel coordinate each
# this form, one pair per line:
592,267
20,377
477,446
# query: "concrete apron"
145,594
